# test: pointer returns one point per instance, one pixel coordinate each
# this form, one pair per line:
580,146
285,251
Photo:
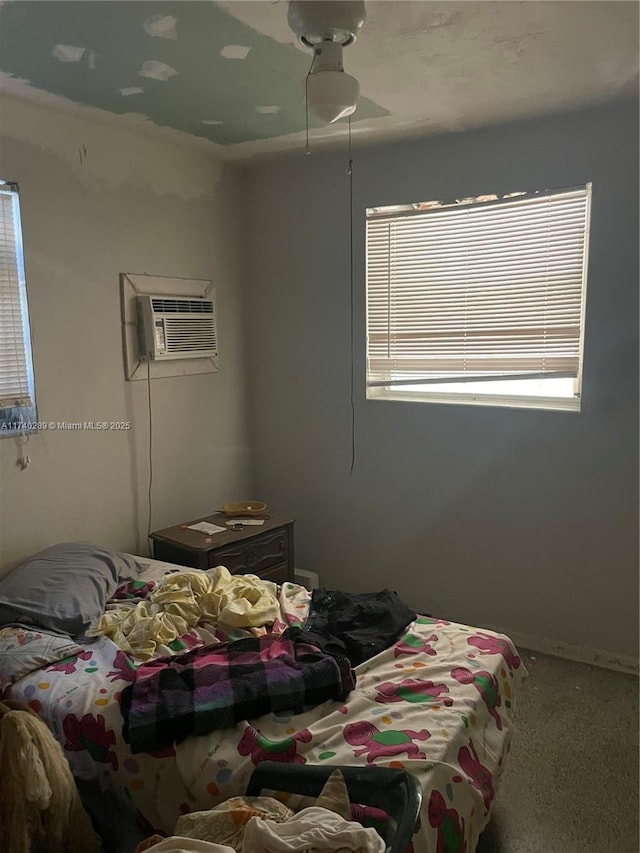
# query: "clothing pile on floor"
265,825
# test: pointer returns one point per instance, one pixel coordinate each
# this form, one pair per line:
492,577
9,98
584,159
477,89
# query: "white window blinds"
15,385
490,290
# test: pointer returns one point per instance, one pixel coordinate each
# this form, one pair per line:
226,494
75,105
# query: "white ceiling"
452,65
446,66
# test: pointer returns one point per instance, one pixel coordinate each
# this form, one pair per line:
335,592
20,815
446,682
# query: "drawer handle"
281,545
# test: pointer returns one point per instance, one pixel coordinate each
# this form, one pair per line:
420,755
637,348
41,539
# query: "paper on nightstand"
205,527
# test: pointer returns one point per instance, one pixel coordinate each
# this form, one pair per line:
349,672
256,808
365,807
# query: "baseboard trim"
580,654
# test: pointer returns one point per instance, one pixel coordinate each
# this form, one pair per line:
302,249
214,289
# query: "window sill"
557,404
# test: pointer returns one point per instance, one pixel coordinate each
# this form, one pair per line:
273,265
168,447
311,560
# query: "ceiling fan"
327,26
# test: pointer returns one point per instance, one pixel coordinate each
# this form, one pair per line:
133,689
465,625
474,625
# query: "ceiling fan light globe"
332,95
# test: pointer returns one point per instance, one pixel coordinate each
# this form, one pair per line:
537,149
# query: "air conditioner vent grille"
177,327
190,335
182,306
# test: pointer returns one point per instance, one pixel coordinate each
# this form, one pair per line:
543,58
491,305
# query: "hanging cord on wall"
351,287
307,149
150,446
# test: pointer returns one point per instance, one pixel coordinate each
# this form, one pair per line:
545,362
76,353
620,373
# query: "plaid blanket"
214,687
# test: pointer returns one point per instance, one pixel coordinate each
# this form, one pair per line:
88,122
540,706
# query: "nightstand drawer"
253,556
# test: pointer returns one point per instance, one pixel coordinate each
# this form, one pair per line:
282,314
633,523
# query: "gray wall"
98,200
525,520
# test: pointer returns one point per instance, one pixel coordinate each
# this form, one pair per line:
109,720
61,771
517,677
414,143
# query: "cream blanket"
312,829
182,601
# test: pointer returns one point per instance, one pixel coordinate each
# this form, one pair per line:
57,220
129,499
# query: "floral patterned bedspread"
439,703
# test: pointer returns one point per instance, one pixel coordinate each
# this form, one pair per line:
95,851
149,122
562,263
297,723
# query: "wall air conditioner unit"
177,327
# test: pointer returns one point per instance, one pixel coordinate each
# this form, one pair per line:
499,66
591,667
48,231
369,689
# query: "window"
479,301
17,394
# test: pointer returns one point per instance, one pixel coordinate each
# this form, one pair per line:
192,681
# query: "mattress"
439,703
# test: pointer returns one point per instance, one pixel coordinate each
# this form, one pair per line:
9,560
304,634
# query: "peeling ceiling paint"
231,72
235,51
187,52
157,70
67,53
161,26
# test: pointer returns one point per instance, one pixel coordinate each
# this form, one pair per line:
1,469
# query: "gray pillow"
63,588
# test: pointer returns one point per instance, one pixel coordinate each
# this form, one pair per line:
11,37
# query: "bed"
438,702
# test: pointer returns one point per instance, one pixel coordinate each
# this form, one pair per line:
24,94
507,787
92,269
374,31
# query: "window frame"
22,418
406,387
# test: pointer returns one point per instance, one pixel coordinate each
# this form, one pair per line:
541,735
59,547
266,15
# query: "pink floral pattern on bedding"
261,748
438,702
89,733
68,665
134,590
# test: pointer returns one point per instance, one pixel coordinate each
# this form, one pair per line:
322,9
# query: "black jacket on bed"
356,625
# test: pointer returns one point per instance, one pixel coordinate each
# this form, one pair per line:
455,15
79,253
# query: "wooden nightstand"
265,550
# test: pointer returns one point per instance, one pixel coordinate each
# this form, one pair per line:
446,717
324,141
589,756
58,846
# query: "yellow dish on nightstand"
244,508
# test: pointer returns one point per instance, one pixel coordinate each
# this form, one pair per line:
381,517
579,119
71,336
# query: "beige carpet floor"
571,778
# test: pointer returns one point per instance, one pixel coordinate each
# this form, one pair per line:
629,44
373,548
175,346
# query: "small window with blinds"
17,395
479,301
